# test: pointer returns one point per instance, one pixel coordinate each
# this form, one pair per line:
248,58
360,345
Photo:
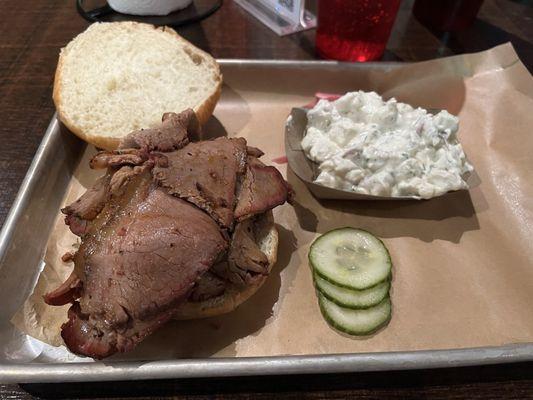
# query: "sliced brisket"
245,259
108,159
88,206
254,152
262,189
84,335
140,258
157,229
245,252
66,293
121,178
172,134
209,286
80,213
206,174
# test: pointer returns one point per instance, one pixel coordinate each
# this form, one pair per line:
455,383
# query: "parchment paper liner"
463,269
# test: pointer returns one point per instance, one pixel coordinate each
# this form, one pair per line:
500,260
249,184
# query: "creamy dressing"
384,148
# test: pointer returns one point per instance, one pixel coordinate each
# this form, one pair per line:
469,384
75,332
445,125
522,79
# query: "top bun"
118,77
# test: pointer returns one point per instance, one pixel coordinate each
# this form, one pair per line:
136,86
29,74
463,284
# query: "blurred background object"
447,15
354,30
148,7
282,16
169,12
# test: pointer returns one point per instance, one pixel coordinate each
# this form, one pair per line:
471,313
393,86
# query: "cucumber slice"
351,298
350,258
355,322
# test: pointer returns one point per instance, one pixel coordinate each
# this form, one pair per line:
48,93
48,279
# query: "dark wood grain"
31,34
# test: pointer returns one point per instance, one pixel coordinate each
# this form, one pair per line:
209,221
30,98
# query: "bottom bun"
267,238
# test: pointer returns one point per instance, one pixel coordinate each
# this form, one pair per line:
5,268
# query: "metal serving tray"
24,234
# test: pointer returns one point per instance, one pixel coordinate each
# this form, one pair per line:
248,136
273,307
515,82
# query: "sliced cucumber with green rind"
351,258
355,322
351,298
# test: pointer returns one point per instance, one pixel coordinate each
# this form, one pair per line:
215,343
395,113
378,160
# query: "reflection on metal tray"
25,232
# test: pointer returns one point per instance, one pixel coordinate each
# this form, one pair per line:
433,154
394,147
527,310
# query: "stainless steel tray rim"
21,198
302,64
250,366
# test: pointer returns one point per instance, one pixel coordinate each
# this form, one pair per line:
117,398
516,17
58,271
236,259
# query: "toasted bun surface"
118,77
267,238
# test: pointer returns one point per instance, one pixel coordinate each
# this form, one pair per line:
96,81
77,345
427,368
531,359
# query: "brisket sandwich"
175,228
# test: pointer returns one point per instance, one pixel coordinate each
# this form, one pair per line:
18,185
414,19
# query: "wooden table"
31,34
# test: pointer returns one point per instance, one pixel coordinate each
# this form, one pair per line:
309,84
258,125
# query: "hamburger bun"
267,238
118,77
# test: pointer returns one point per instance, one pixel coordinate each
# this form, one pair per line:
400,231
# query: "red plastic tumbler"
354,30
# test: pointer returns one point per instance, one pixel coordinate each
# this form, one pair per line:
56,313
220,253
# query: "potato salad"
364,144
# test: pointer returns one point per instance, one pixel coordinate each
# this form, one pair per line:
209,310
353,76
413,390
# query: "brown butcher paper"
463,263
